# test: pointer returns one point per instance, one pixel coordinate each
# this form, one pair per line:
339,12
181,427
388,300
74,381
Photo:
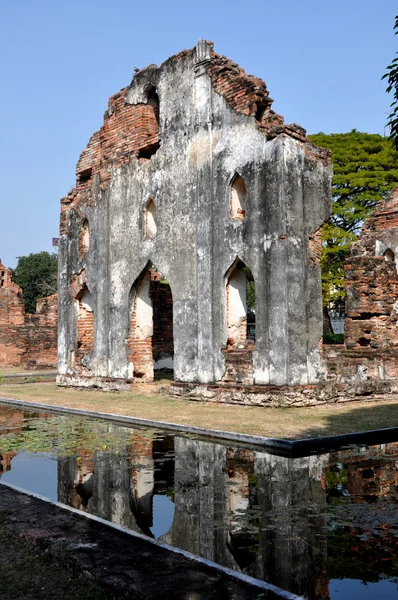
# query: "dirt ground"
28,573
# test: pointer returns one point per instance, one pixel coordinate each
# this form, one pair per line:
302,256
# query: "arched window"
84,240
389,255
85,323
150,343
238,198
150,220
240,298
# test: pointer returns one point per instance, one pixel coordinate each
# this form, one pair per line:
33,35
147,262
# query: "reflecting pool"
322,526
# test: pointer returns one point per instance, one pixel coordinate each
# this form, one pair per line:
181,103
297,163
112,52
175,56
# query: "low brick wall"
268,396
358,365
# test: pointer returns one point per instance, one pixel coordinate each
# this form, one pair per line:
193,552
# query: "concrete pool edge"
293,448
230,573
274,443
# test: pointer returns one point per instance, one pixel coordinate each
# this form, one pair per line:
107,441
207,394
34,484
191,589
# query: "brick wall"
239,365
85,332
372,282
248,95
127,131
26,339
371,325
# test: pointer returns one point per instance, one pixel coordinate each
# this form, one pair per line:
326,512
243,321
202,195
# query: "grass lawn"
272,422
30,372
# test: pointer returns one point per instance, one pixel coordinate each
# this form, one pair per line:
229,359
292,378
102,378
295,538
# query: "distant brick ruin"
26,340
192,188
371,281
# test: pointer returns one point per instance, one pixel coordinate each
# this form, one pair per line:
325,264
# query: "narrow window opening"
238,198
153,100
85,175
150,220
150,342
389,255
150,126
84,239
261,108
241,298
147,152
85,325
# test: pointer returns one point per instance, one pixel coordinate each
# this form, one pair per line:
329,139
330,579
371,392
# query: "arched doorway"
150,343
240,323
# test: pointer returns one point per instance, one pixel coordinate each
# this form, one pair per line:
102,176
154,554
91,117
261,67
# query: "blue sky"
322,62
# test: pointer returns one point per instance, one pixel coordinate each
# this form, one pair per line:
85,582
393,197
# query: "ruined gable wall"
204,140
26,338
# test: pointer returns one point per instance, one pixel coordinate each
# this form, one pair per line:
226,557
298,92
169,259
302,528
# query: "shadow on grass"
352,420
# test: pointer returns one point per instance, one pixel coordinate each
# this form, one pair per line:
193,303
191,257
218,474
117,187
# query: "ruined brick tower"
372,282
192,183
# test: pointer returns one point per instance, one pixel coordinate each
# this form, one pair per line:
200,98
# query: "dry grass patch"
270,422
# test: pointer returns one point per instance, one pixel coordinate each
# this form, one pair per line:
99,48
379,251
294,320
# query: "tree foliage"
392,79
37,275
365,169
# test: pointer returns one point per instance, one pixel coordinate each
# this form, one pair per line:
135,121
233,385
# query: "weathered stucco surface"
213,123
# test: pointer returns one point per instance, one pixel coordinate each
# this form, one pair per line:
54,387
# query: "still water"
324,526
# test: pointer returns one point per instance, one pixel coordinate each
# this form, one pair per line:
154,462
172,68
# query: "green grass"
290,423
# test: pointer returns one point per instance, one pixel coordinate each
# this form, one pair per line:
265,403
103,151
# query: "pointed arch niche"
389,255
150,220
150,343
238,198
85,324
240,305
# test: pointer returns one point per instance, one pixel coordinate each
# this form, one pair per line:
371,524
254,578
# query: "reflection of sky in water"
38,474
354,589
163,515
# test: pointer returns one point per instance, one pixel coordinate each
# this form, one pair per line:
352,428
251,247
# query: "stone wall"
154,187
26,339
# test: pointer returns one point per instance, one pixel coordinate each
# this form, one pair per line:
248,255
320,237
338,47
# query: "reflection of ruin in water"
297,523
250,511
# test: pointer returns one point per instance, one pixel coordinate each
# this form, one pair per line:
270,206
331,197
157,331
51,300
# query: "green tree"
37,275
365,169
392,80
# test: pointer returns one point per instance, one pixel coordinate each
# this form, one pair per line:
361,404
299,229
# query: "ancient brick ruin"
194,181
372,281
371,326
26,340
